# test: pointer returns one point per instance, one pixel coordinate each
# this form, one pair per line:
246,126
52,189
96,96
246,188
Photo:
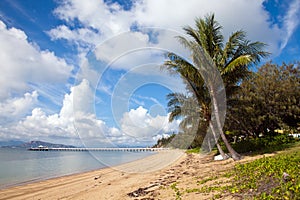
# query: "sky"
88,73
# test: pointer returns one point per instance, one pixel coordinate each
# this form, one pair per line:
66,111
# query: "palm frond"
186,43
210,34
193,33
255,49
235,39
238,62
175,114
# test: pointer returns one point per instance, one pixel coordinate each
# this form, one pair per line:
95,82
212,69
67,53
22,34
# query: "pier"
98,149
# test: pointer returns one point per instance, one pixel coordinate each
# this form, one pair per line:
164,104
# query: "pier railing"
97,149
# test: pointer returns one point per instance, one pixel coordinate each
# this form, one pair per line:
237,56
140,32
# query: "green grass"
206,180
258,179
263,178
176,190
192,190
194,150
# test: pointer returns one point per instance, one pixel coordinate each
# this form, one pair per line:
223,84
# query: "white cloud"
82,37
139,124
121,38
76,122
95,14
121,44
168,13
111,20
14,109
231,14
291,21
23,62
83,97
75,117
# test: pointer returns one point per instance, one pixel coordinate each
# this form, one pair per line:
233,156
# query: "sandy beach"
150,178
109,183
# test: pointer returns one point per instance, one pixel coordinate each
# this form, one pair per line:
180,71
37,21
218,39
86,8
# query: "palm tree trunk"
213,79
221,151
216,140
233,153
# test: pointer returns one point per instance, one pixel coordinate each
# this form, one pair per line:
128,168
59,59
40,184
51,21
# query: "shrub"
263,145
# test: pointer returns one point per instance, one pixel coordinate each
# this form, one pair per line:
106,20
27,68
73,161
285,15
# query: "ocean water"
19,166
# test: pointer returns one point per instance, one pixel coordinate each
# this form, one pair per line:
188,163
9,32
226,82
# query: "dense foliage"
268,101
264,144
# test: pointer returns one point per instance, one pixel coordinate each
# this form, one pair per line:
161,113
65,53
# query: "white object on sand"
218,157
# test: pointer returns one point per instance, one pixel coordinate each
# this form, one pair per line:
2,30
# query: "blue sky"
87,72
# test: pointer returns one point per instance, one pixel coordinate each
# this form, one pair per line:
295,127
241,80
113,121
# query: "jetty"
98,149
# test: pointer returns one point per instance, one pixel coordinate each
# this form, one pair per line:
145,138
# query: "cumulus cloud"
106,20
23,62
77,121
111,19
139,124
120,37
74,117
16,108
82,37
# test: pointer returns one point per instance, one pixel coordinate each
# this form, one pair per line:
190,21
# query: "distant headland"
32,144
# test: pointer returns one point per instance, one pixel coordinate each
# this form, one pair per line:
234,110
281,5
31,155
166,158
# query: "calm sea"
18,166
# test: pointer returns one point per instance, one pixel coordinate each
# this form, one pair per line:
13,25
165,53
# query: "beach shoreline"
125,177
36,180
166,175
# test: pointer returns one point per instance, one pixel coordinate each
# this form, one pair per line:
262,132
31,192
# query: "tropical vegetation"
232,59
268,101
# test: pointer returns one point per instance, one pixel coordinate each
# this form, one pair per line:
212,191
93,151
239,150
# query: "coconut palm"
194,109
232,59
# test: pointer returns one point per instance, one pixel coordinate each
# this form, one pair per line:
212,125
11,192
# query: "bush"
194,150
263,145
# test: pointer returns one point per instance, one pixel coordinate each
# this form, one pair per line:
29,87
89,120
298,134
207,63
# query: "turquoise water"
18,166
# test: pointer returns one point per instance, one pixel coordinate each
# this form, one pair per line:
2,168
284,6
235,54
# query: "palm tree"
232,60
195,109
